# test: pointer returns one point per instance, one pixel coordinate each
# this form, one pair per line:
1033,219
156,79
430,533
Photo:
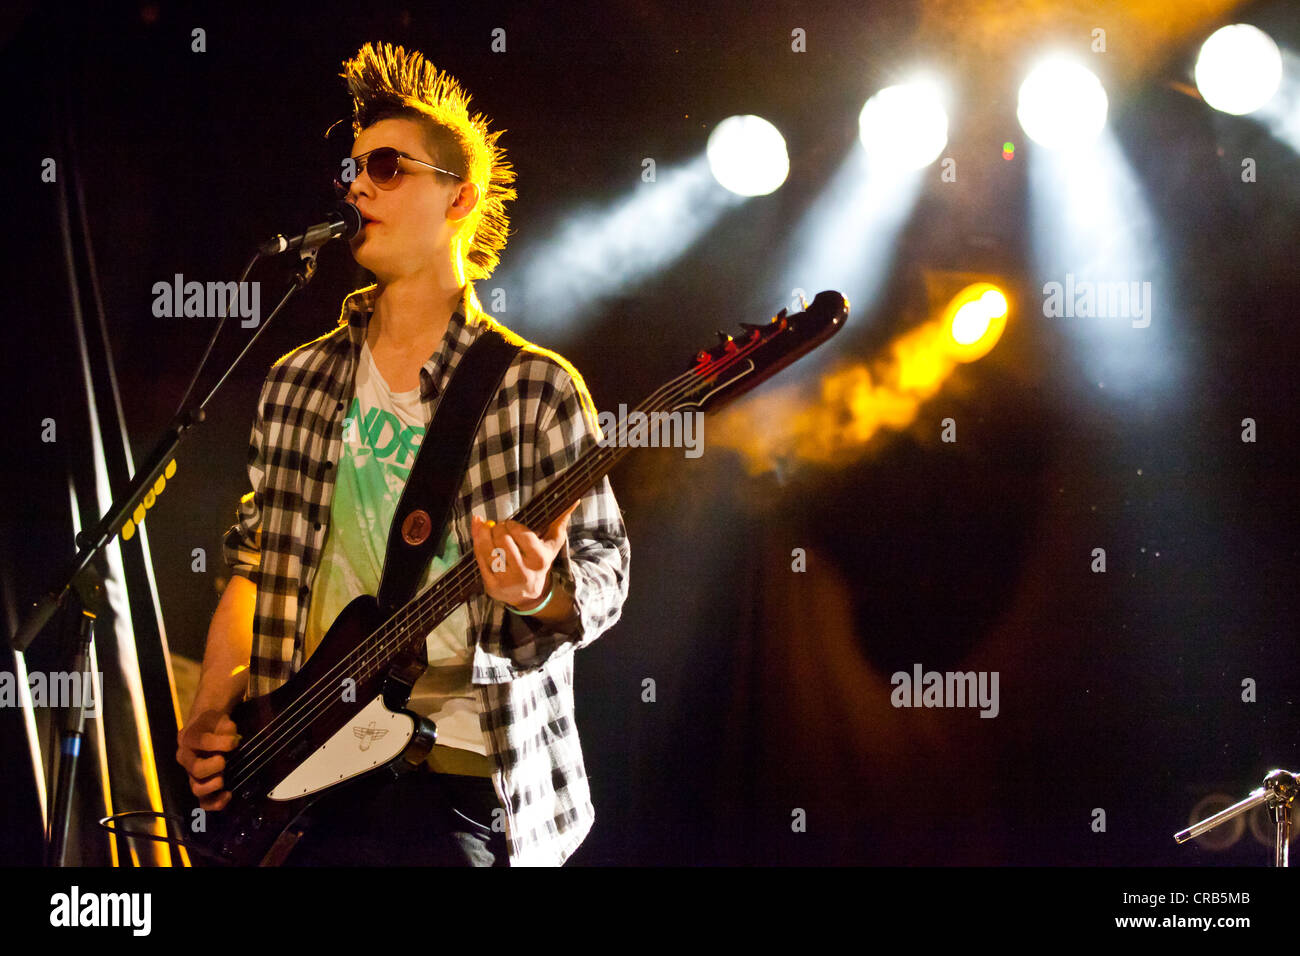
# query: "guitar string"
358,664
373,651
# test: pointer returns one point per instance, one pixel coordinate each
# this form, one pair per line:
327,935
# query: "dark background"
1118,691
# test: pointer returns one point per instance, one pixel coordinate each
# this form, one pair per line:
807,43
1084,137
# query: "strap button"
416,527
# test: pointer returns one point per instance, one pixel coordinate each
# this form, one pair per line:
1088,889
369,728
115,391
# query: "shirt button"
318,525
302,591
339,406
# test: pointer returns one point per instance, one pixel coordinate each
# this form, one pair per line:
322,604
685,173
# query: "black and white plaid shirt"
540,422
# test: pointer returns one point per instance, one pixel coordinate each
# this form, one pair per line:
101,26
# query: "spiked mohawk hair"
387,82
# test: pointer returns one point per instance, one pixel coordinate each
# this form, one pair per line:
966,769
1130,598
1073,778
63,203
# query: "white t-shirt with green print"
382,432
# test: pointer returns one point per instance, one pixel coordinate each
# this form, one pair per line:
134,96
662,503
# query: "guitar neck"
717,377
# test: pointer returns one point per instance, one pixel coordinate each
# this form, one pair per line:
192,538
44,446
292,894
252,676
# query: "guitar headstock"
738,363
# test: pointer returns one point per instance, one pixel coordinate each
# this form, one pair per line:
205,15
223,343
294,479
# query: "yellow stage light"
974,321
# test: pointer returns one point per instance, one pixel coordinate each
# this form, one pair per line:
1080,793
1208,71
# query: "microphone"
344,222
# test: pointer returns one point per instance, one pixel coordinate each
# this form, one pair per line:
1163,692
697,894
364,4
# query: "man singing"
338,423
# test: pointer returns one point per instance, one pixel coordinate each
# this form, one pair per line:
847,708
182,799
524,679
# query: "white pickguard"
374,736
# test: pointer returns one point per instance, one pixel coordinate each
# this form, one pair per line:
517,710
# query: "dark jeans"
420,819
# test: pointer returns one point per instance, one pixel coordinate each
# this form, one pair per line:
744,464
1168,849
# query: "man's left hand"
514,561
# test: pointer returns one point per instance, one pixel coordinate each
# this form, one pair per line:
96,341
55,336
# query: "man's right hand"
203,742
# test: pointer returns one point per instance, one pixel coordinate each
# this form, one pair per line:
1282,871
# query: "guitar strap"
440,464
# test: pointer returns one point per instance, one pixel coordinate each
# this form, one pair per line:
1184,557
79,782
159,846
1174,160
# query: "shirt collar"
465,324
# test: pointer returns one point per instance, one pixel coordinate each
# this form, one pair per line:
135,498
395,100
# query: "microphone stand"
90,602
1279,792
122,516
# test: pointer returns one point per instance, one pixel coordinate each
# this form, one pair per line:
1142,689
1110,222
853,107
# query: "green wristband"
550,594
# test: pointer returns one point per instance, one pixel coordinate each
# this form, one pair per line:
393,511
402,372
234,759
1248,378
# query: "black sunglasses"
384,166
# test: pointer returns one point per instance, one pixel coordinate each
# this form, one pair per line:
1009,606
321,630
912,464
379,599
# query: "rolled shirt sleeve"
593,564
242,544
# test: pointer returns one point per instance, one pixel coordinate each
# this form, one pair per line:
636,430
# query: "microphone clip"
345,221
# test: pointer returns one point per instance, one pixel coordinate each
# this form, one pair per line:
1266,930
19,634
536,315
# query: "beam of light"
779,429
846,239
1098,262
1238,69
747,155
1281,114
905,125
1061,104
603,251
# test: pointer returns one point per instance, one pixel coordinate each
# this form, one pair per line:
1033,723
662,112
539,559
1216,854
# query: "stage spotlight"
1061,104
1239,69
974,321
747,155
904,126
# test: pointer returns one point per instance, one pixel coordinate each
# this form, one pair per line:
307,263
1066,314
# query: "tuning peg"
727,342
754,330
778,317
